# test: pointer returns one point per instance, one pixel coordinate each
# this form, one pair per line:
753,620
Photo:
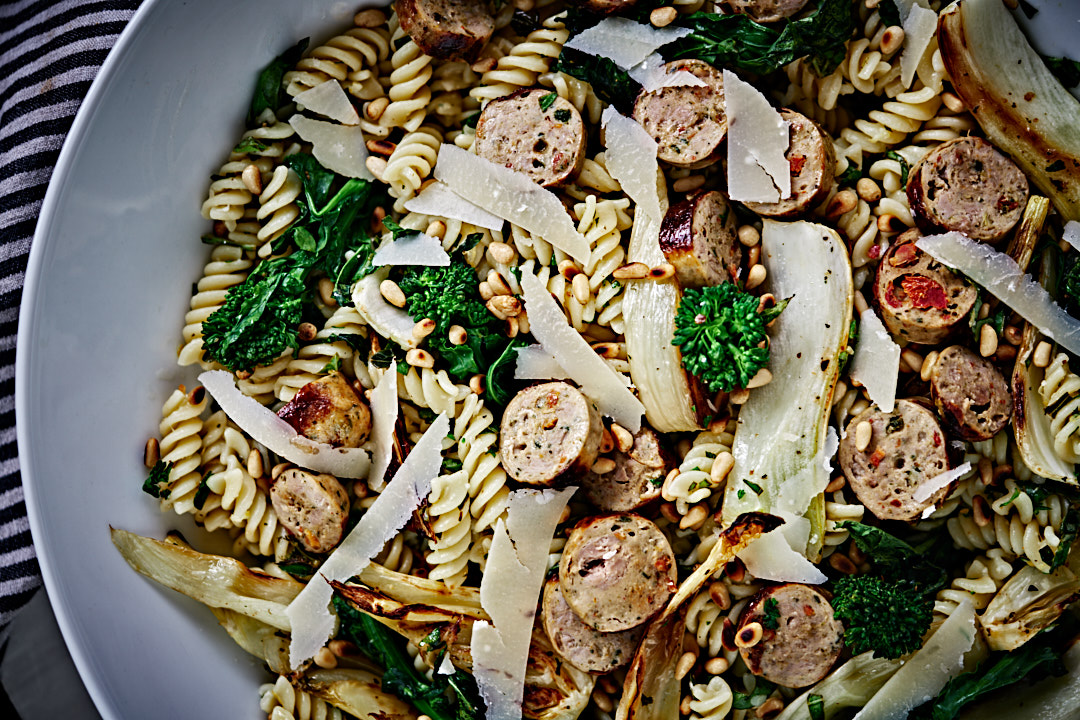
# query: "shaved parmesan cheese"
758,139
876,364
623,41
925,673
597,379
828,452
535,363
631,159
384,414
1072,234
339,148
309,614
1002,277
418,249
329,100
278,436
771,557
920,24
446,667
509,591
385,319
928,487
511,196
438,199
651,74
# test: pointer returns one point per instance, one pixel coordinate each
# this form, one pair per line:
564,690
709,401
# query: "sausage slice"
549,432
968,186
534,132
687,122
919,298
328,410
907,448
801,639
580,645
636,480
970,394
616,571
812,158
313,508
607,7
447,29
767,11
699,237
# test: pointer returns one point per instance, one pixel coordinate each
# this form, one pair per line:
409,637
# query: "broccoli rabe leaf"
888,617
895,560
268,88
499,382
159,476
719,331
611,83
1065,70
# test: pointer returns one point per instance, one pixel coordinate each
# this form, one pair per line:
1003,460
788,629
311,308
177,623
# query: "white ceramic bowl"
109,275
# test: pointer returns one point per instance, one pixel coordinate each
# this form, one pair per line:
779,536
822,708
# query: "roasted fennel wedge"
779,448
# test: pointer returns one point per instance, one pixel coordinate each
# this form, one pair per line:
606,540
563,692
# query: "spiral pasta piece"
351,59
281,701
693,482
712,700
889,126
984,577
325,354
524,65
228,267
409,92
277,203
1060,393
411,163
181,442
431,389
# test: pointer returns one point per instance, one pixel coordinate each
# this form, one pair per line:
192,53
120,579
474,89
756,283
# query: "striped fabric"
49,53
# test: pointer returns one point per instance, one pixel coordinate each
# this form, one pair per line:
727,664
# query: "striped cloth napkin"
49,53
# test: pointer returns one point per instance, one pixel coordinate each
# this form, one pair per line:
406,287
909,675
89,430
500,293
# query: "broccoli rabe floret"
888,617
722,335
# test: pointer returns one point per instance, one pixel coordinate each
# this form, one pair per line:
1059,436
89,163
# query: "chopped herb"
815,704
548,100
772,614
203,493
250,145
905,168
611,83
850,176
762,690
563,115
753,486
741,493
159,476
895,424
386,357
470,122
331,367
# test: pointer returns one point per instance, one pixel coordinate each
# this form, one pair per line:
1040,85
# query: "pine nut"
739,396
255,463
717,665
276,471
663,16
196,396
152,453
436,229
755,277
837,483
376,165
721,467
607,442
603,466
1041,358
663,271
392,293
325,658
602,701
749,636
1005,353
632,271
608,685
419,358
954,103
988,340
579,287
523,321
458,335
719,594
307,332
484,65
986,471
843,202
502,253
476,384
892,39
685,665
608,350
749,235
569,269
842,564
761,378
512,327
498,284
342,648
695,517
868,190
369,18
735,570
1013,334
980,509
376,108
486,293
928,366
889,223
861,305
688,183
624,439
507,306
381,147
911,361
423,328
769,708
252,179
753,257
669,512
326,292
908,236
863,432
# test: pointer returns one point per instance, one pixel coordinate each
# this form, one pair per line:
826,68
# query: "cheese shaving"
384,414
418,249
511,196
280,437
929,487
385,319
631,159
771,557
651,74
329,100
509,591
339,148
999,274
535,363
309,614
1071,234
876,364
758,140
623,41
597,379
919,25
439,200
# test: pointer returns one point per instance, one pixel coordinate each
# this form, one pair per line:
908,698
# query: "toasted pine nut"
622,438
502,253
419,358
735,570
753,257
719,594
326,659
684,705
928,365
695,517
986,471
843,202
749,235
342,648
252,179
669,512
761,378
685,665
608,350
326,292
579,287
498,283
1000,472
912,360
1041,358
980,509
376,165
868,190
1013,334
863,432
307,331
376,108
608,685
602,701
663,271
607,442
369,18
842,563
663,16
603,466
739,396
484,65
749,636
381,147
512,327
721,467
152,453
860,302
988,340
717,665
423,328
392,293
688,183
486,293
892,39
255,463
837,483
458,335
633,271
769,708
523,321
1005,353
476,384
889,223
755,277
436,229
951,101
508,305
276,471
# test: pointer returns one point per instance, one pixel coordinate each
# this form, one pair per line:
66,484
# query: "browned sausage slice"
549,433
687,122
699,237
812,159
920,299
313,508
447,29
801,639
968,186
906,448
606,7
534,132
636,480
767,11
970,394
617,571
580,645
328,410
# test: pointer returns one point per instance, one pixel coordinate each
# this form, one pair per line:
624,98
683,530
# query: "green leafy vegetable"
610,82
895,559
202,494
499,381
772,614
762,690
249,145
905,167
1070,528
268,87
1064,69
887,617
815,704
563,115
719,330
548,100
850,176
159,475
